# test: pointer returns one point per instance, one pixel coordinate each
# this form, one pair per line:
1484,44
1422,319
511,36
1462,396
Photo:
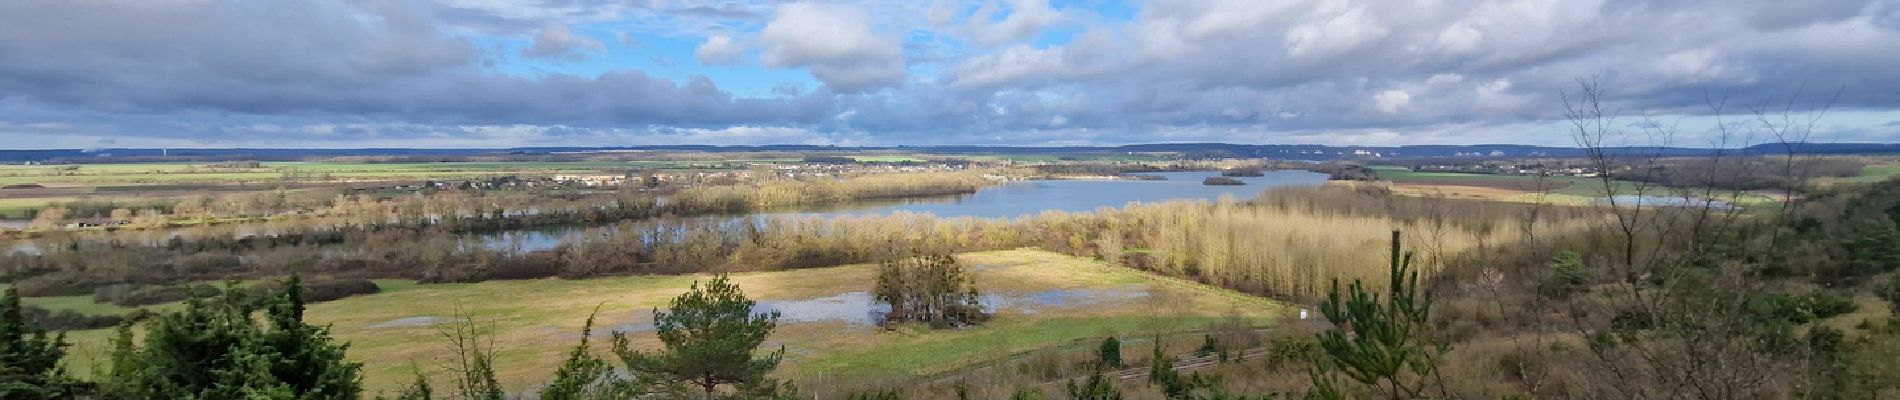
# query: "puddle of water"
407,322
1665,201
861,308
854,307
1056,298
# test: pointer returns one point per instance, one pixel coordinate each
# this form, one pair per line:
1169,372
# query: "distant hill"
1190,150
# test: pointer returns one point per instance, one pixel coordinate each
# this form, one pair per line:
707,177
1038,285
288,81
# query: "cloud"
719,50
1011,20
838,45
947,71
305,60
1391,101
558,42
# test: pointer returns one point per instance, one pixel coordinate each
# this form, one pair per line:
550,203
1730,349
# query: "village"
1517,167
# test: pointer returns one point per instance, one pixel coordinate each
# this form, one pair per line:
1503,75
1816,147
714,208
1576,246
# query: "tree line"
490,210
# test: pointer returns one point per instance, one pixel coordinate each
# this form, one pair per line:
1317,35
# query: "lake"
1021,198
1008,200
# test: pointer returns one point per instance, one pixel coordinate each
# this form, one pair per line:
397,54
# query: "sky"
517,73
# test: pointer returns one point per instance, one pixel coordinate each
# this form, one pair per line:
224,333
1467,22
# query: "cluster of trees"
931,289
215,348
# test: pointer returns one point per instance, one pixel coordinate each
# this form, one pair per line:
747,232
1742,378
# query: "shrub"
931,289
877,395
146,296
1892,294
69,320
54,284
1110,352
319,291
1567,277
1825,304
1286,352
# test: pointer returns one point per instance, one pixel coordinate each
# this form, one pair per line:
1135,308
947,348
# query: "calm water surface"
1008,200
1021,198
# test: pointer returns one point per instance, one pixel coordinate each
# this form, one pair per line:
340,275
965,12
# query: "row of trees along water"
458,210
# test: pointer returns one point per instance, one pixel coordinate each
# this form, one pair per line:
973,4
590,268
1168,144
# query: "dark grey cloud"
319,59
1328,65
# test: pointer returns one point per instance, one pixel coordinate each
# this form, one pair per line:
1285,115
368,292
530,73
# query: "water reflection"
1024,198
1665,201
1008,200
861,308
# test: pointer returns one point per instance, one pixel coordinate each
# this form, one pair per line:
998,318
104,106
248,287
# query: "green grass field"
1564,185
98,174
534,321
19,208
1868,174
156,182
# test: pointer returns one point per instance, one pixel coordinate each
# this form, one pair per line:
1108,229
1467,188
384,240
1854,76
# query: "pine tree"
474,360
127,364
877,395
586,376
417,390
214,349
710,334
1875,248
1110,352
1027,393
193,352
1098,387
301,355
1387,349
29,359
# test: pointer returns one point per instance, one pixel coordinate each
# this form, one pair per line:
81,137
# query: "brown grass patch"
1458,191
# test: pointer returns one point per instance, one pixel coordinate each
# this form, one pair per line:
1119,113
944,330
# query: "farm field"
1868,174
147,183
103,174
1043,298
1550,189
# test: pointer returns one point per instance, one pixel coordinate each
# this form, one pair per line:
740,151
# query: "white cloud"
1347,28
1391,101
1014,63
1460,38
719,50
837,43
558,42
1024,19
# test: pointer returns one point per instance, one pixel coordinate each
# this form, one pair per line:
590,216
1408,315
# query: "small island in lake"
1222,181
